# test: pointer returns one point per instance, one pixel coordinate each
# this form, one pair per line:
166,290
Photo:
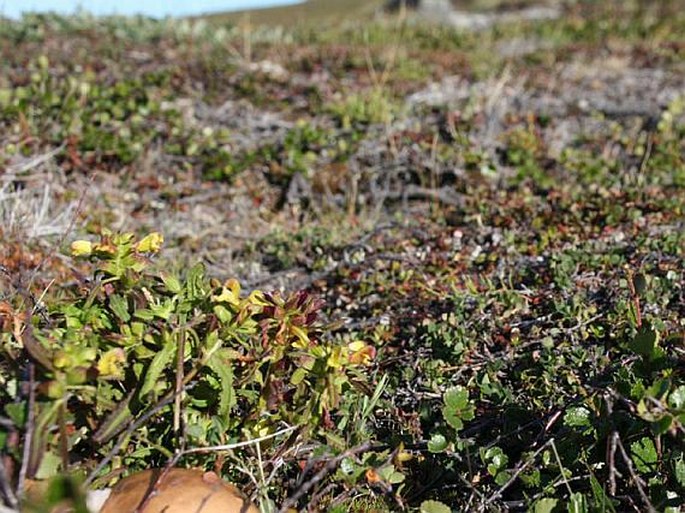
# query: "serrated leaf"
457,407
456,398
577,417
643,453
437,443
434,507
157,366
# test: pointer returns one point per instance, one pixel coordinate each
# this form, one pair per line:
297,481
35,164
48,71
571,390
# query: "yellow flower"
230,293
81,248
361,353
110,366
151,243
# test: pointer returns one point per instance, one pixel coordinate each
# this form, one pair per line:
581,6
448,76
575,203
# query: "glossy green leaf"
437,443
457,407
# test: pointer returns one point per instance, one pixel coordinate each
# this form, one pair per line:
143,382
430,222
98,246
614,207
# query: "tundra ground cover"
492,219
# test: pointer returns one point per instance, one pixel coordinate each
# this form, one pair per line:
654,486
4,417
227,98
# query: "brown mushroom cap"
177,491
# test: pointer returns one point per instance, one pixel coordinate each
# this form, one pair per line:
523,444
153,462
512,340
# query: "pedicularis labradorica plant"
133,364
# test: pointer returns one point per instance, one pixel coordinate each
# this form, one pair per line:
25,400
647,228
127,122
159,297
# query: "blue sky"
13,8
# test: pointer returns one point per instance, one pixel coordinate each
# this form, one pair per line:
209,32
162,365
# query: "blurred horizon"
154,8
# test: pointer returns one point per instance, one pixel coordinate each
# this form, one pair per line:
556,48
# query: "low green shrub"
132,366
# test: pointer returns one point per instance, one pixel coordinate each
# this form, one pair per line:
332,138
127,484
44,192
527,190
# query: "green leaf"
115,421
49,465
434,507
577,503
437,443
662,425
643,453
390,475
223,314
119,306
502,477
496,460
144,314
195,282
659,389
65,488
16,412
157,366
640,283
577,417
677,398
601,500
645,341
298,376
545,505
457,407
171,282
220,365
679,470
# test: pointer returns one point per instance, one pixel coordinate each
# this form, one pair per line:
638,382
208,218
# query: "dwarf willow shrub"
136,362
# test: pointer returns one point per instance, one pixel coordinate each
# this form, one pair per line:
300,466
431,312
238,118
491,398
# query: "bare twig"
639,483
561,467
7,492
519,470
611,449
19,169
238,445
180,352
330,465
126,433
30,425
152,490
